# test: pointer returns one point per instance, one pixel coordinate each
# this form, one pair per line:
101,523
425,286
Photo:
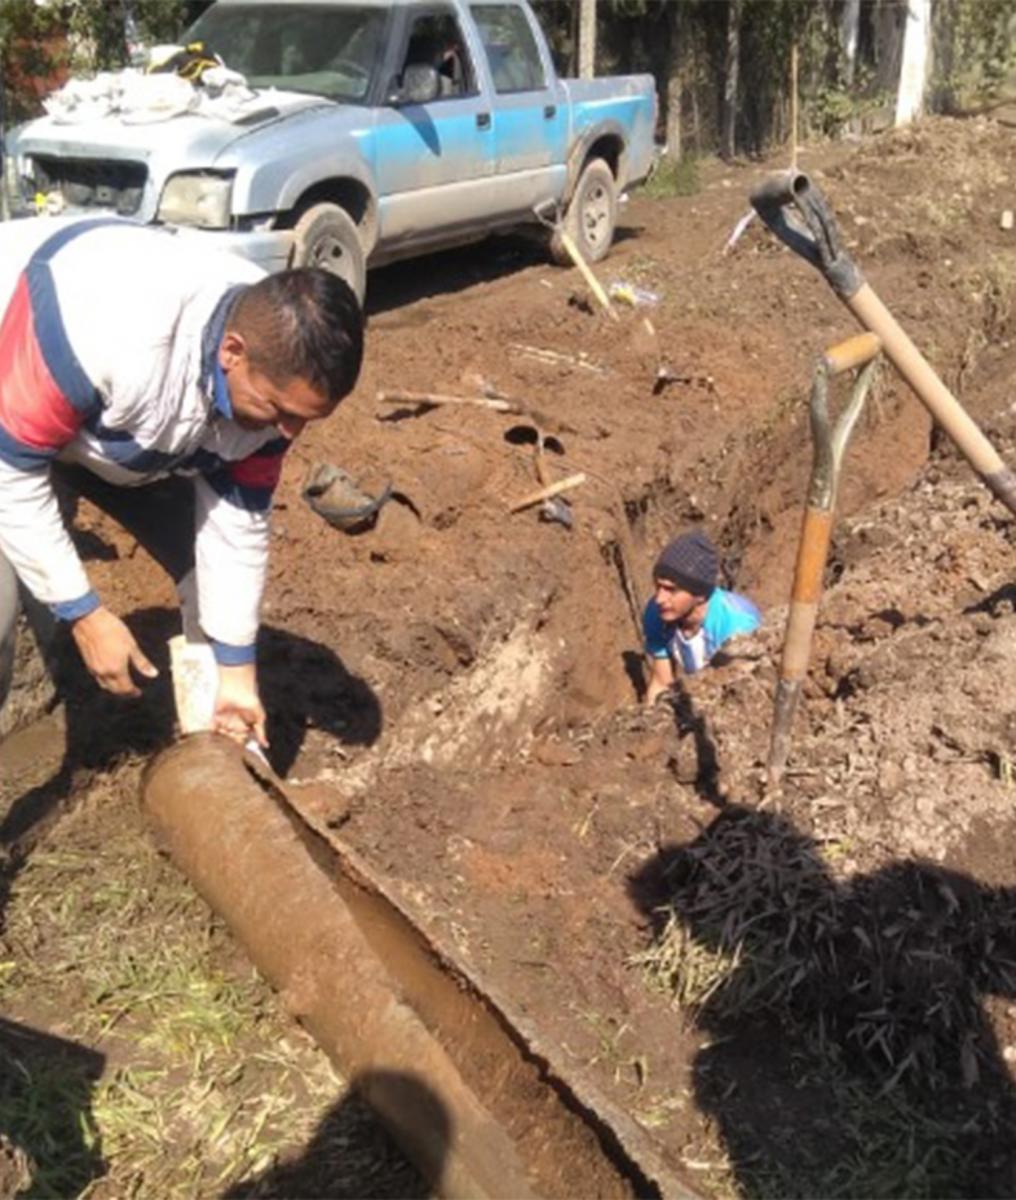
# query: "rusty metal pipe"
383,1002
797,212
830,445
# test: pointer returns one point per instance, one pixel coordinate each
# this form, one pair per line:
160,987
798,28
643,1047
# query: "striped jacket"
108,359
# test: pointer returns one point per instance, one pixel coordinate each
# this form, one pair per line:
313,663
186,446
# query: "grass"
175,1073
680,178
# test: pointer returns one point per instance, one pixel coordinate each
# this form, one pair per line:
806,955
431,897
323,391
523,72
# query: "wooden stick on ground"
434,398
593,283
543,421
545,493
556,358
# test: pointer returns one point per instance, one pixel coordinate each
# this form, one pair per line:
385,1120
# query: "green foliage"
686,40
975,49
680,178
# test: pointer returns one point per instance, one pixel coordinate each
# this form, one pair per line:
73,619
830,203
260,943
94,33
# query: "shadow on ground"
49,1141
49,1144
450,271
350,1157
304,685
849,1052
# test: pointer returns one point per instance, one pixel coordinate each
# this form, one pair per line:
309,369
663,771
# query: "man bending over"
164,383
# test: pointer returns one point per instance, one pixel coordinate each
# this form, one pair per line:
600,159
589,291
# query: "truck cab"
362,131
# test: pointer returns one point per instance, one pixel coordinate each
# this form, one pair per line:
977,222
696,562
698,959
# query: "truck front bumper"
269,249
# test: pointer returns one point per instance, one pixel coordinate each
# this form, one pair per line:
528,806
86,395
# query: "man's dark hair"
306,324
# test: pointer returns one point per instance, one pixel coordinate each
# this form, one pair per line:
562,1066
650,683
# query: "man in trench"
689,618
165,384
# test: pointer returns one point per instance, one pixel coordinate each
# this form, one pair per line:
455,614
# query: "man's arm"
661,677
657,638
231,549
33,538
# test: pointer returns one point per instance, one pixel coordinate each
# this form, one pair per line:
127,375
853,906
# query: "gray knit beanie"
690,561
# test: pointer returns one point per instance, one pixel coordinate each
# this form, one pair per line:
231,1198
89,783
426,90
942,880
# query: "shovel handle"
813,235
853,352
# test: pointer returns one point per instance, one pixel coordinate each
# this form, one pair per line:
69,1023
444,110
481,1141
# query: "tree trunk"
587,39
916,60
850,23
675,79
730,78
943,99
888,20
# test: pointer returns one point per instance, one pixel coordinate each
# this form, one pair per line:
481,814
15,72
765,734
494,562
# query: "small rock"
890,778
646,747
1006,221
684,765
556,754
925,807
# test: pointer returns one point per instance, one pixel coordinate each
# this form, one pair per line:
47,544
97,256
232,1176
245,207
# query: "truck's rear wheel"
326,236
591,216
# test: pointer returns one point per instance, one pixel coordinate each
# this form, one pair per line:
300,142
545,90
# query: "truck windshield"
327,50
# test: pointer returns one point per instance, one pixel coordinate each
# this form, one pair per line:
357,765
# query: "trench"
496,1119
567,1138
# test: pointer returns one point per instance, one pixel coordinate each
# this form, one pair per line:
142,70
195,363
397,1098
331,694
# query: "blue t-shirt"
727,615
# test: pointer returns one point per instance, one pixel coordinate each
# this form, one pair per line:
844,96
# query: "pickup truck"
378,129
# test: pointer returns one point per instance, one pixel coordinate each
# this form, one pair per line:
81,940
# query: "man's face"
674,603
258,403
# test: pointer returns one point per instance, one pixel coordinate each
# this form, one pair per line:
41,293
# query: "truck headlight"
198,198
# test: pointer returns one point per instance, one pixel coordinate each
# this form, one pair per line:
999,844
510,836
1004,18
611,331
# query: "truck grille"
92,183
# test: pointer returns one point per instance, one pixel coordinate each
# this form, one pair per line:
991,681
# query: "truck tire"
326,236
591,216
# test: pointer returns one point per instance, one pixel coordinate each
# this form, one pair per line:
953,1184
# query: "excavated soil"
457,690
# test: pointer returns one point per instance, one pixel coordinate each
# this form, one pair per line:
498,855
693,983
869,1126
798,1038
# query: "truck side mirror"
420,85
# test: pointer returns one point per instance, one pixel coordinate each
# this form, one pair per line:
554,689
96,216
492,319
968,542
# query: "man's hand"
661,680
238,708
109,651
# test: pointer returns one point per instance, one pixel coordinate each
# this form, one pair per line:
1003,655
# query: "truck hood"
190,138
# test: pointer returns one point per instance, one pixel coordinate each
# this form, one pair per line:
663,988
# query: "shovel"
800,216
830,442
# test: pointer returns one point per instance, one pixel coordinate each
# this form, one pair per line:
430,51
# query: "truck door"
434,162
530,111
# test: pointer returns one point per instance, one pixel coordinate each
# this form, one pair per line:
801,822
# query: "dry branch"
435,399
592,282
542,420
546,493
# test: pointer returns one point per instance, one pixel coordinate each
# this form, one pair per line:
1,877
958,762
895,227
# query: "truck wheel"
591,215
326,236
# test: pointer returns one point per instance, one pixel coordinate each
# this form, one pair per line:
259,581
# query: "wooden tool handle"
854,352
